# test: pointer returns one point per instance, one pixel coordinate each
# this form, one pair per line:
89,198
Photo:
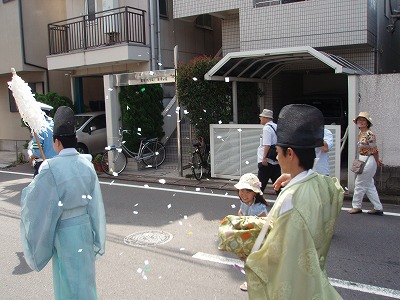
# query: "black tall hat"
300,126
64,123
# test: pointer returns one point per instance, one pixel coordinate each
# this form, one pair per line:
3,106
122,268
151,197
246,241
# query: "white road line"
169,189
185,191
18,173
349,285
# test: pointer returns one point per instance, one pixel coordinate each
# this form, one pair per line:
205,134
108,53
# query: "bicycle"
200,160
114,160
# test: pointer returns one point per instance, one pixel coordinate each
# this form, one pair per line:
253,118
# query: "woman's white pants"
365,185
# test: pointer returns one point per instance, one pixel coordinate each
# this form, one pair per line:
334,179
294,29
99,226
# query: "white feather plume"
28,107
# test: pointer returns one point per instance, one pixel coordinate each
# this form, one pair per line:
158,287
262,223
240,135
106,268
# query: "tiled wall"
230,35
314,23
186,8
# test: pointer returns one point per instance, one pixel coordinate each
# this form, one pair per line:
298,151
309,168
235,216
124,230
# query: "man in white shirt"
267,168
322,154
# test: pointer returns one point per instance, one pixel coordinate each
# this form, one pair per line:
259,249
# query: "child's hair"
258,198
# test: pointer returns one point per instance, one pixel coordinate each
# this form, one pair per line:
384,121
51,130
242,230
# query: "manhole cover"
148,238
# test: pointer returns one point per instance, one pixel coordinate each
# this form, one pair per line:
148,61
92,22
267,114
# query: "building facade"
67,46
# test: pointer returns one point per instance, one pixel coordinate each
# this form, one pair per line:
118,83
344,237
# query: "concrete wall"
379,95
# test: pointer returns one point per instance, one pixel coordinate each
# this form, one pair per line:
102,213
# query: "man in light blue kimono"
63,217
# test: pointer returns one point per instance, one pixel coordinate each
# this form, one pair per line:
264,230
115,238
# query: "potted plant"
97,162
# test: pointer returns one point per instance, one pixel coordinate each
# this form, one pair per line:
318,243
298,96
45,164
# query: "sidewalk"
170,173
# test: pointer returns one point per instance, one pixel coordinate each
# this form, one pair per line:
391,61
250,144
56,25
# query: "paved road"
363,261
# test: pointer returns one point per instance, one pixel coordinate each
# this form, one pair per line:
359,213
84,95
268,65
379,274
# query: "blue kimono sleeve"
40,213
98,219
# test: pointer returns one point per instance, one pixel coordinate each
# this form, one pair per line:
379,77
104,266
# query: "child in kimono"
63,217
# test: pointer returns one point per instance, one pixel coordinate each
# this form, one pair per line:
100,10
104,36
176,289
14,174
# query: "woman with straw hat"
365,184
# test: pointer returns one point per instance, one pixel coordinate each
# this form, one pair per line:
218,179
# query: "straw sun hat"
365,115
249,181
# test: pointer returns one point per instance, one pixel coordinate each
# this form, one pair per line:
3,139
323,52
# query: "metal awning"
262,65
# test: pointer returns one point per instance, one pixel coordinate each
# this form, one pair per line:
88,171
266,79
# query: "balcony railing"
109,27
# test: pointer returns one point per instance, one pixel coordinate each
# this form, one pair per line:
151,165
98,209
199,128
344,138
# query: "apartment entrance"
288,74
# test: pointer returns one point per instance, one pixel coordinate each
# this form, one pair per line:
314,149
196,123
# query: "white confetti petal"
168,115
84,196
136,204
185,112
80,250
247,162
233,205
169,206
197,189
127,107
160,64
151,73
60,203
119,150
89,197
185,217
240,130
174,195
146,185
219,137
146,262
219,122
107,148
135,212
226,79
139,270
139,129
110,89
182,249
194,79
115,174
139,133
180,223
162,181
204,110
111,182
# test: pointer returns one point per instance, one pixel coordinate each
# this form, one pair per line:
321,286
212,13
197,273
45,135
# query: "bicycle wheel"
152,154
197,166
113,161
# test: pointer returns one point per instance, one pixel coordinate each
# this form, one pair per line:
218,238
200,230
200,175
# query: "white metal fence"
233,149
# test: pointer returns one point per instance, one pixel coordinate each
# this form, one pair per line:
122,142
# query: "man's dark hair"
69,141
306,156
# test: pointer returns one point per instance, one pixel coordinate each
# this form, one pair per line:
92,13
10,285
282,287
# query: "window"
163,5
262,3
90,9
204,21
11,99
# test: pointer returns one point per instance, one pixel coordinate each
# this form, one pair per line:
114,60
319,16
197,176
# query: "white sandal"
243,286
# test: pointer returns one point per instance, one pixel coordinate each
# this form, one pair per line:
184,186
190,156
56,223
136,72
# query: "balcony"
98,39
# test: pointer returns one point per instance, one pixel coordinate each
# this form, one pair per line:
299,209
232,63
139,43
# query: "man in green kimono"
63,217
291,262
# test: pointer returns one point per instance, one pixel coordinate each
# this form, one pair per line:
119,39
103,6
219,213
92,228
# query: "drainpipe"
160,66
21,27
152,38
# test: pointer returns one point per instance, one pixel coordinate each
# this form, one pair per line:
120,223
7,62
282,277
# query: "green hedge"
141,107
207,102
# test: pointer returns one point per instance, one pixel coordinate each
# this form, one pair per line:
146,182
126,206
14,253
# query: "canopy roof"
262,65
